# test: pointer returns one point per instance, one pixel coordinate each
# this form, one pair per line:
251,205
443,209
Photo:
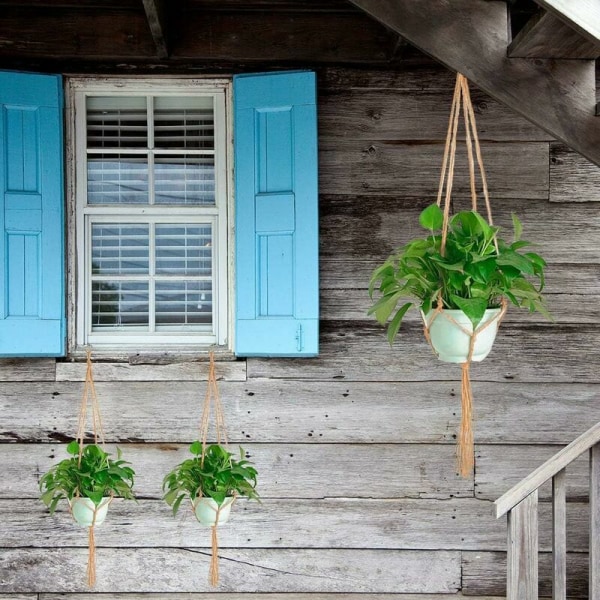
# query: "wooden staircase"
520,504
546,73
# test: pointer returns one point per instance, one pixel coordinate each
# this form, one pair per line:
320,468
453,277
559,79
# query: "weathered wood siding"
355,448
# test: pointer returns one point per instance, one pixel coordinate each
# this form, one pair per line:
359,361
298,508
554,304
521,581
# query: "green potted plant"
211,482
469,282
88,484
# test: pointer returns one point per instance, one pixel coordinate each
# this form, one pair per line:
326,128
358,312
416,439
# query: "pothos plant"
219,476
472,274
97,476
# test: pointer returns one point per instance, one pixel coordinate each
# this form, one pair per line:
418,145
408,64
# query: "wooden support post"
559,536
522,560
594,591
155,15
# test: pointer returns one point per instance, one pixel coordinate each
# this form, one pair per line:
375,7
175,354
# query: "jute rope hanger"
212,396
462,96
89,395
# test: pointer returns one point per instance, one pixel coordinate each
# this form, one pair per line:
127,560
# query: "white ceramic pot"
450,339
206,509
82,510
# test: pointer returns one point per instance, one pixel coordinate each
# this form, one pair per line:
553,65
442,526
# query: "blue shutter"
32,320
276,215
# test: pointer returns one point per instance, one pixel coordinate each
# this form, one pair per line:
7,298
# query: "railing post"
594,591
522,559
559,536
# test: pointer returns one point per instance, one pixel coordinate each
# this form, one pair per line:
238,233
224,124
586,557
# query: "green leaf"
196,448
517,227
395,323
73,448
432,218
474,308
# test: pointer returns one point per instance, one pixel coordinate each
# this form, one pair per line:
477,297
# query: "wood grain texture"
391,168
302,36
393,221
256,570
546,36
594,458
414,114
561,460
254,596
353,351
559,536
500,467
485,573
583,15
27,369
572,177
541,91
183,371
305,412
522,555
287,470
384,524
156,17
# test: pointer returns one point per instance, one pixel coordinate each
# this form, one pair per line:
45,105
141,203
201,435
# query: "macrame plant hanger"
90,396
212,397
465,445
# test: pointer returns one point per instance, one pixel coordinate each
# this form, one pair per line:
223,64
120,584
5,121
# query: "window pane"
119,304
184,179
184,250
184,122
117,179
120,249
183,303
117,122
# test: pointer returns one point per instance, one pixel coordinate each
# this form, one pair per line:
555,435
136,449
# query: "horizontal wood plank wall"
355,448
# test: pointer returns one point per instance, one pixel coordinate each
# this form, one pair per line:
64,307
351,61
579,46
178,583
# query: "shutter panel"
32,320
277,278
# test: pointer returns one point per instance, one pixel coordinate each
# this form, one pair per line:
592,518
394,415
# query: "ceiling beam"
471,36
157,21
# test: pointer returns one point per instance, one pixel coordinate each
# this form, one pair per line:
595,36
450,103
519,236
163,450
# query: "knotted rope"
89,395
462,97
213,397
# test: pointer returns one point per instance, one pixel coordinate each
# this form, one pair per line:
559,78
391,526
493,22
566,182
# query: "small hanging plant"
211,483
475,274
88,484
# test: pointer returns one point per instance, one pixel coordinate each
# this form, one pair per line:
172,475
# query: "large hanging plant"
461,275
477,270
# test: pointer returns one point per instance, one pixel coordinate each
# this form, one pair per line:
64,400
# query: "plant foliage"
97,477
218,477
472,276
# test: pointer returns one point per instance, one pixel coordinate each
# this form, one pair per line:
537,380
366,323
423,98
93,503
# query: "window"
150,230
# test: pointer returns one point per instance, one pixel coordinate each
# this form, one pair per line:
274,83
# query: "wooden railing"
520,505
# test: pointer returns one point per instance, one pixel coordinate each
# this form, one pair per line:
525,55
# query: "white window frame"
81,215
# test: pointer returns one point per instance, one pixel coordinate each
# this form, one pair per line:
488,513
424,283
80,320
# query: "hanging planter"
451,331
213,478
90,479
461,274
211,481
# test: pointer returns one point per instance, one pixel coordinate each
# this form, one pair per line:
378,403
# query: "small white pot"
82,510
206,509
452,343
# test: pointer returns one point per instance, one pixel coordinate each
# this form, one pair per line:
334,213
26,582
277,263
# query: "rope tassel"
465,449
91,566
214,560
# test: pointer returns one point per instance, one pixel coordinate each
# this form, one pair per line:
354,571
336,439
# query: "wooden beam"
582,15
546,36
471,36
156,16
